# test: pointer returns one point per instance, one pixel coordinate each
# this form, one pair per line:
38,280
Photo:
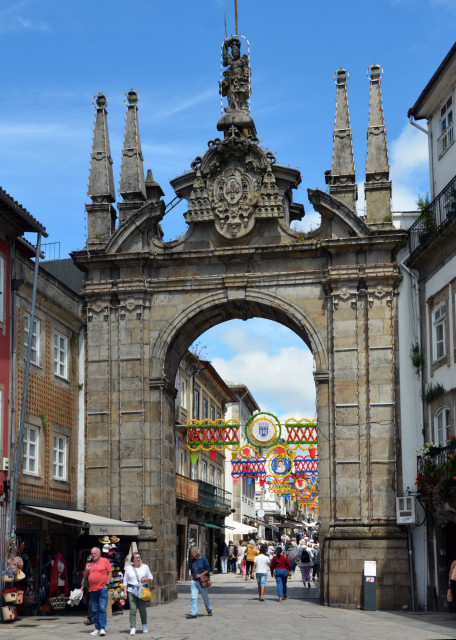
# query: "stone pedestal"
344,550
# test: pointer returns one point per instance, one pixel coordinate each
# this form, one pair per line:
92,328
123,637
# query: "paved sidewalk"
239,615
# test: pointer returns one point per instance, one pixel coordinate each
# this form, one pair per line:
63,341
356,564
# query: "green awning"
209,525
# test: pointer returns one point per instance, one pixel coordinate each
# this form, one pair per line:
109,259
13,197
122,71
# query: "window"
212,413
183,393
439,332
204,470
60,356
196,404
60,457
2,289
205,409
194,472
218,481
30,450
212,474
446,126
219,417
35,353
182,463
442,426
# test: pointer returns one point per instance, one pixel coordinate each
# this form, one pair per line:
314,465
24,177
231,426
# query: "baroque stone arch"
148,300
213,309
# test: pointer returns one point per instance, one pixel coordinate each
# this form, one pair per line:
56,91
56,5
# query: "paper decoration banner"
208,434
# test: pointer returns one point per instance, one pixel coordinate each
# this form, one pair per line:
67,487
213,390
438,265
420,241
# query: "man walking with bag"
199,566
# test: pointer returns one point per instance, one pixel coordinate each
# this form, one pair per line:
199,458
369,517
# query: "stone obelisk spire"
101,215
377,187
132,185
341,178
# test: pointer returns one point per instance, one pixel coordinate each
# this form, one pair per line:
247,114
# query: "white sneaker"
102,632
132,632
95,633
145,629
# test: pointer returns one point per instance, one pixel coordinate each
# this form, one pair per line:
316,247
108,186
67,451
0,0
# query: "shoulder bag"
204,578
142,592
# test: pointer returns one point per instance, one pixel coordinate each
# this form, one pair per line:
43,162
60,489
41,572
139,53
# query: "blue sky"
58,55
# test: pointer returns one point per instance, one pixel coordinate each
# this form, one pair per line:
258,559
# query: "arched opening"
247,497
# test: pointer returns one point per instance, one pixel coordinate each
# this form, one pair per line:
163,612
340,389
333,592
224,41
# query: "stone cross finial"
341,178
377,185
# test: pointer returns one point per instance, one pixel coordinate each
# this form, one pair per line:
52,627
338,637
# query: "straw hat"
115,539
104,540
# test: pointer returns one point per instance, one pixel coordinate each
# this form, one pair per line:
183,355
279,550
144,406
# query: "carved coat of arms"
233,203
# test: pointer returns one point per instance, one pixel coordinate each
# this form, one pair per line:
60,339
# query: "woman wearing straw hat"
135,575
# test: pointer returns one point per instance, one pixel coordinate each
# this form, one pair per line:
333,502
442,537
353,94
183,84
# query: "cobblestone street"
238,614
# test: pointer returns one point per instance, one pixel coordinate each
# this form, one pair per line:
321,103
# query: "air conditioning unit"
406,510
4,462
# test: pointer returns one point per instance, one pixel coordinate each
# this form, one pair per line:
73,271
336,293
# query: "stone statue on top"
236,78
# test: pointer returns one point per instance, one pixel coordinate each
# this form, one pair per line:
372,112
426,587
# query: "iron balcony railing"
437,214
437,463
214,497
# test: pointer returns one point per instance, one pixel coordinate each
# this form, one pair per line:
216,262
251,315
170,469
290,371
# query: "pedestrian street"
239,615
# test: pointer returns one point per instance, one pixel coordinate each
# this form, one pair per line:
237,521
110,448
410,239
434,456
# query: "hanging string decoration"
300,432
248,463
213,435
306,466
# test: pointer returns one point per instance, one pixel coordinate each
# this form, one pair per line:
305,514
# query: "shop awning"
238,528
98,525
273,527
209,525
290,524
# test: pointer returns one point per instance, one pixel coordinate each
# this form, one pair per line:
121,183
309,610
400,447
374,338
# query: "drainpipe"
431,155
25,392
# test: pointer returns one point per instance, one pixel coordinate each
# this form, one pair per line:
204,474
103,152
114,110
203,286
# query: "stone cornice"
387,240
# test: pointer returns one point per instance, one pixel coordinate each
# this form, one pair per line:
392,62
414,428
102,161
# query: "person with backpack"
305,563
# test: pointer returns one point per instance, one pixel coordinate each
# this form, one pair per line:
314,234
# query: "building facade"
202,499
431,269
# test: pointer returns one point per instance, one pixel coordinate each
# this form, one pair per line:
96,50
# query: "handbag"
449,595
143,593
204,578
146,594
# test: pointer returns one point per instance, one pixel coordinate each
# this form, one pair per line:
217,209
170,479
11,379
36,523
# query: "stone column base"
344,550
159,552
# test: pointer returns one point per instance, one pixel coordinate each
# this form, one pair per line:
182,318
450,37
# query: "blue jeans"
281,576
99,602
196,588
223,563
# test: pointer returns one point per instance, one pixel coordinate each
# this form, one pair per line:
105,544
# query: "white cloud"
409,168
281,383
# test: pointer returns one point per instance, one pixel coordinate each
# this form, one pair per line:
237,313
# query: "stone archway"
148,300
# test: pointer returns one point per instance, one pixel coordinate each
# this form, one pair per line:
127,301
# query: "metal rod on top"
236,16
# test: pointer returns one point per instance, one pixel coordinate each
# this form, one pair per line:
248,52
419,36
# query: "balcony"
437,472
437,215
186,489
213,497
